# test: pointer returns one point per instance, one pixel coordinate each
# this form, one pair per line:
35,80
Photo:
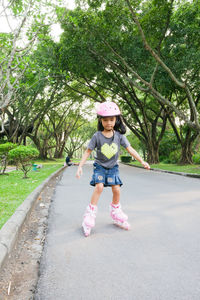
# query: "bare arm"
83,160
134,153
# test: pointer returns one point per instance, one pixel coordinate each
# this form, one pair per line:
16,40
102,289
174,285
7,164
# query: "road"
158,259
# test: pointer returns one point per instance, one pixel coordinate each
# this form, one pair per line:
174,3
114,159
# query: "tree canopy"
144,55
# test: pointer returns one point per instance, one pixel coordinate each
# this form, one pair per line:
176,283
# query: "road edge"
165,171
10,230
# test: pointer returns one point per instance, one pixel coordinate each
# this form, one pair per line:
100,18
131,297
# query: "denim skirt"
106,176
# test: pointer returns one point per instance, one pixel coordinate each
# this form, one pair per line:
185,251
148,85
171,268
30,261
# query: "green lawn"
195,169
14,189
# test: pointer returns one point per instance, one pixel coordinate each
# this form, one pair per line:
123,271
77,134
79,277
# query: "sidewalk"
158,259
10,169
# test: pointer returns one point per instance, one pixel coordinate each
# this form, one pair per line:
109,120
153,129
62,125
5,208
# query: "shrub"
196,158
4,151
175,157
168,144
125,158
22,155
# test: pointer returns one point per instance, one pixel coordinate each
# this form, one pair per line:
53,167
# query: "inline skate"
89,219
119,217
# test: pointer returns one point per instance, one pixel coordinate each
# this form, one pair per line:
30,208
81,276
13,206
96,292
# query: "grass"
193,169
14,189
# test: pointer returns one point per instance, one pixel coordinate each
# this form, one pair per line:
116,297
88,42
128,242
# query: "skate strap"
92,207
115,205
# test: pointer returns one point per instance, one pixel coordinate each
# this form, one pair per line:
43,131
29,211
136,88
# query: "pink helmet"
108,109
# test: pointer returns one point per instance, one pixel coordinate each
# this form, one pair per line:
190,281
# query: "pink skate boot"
89,219
119,218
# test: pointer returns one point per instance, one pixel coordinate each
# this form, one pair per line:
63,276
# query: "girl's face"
108,123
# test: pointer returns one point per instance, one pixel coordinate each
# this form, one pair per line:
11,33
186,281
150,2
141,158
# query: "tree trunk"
43,153
186,149
43,150
186,154
58,154
59,150
3,164
153,154
50,153
186,158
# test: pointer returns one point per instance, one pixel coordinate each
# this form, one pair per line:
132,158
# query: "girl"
107,140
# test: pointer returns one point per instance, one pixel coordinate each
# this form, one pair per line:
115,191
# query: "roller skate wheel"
125,225
86,230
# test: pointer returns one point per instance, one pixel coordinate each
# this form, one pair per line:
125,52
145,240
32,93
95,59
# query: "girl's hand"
146,165
79,172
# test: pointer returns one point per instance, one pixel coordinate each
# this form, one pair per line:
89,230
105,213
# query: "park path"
10,169
158,259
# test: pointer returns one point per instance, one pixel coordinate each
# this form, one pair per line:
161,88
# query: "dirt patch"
18,278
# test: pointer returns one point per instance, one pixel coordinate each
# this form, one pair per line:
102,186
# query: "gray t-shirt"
107,148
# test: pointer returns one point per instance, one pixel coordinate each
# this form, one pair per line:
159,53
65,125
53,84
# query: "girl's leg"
91,210
116,194
118,216
97,193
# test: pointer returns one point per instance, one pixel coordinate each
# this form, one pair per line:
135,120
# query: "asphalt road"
158,259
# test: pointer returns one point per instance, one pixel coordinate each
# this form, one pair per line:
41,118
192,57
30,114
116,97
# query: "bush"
126,159
168,144
175,157
196,158
4,151
22,155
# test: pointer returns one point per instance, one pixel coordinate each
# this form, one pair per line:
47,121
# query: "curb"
165,171
10,230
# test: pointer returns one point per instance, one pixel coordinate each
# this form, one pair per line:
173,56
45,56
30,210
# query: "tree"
148,122
168,144
185,137
16,45
113,62
22,155
80,136
181,83
58,125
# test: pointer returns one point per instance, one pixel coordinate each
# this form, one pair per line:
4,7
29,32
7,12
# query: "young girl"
107,140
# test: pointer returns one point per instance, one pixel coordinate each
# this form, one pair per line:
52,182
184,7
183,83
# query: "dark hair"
119,125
